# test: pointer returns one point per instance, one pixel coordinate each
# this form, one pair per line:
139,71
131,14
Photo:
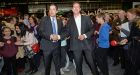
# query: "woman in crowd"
20,54
132,67
103,44
33,26
8,51
27,39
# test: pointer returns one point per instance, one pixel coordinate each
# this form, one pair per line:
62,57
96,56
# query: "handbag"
35,48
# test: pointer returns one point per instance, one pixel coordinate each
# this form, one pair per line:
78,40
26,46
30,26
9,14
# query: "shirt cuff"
59,37
85,35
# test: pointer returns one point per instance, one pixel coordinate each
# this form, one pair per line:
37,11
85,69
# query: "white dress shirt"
78,23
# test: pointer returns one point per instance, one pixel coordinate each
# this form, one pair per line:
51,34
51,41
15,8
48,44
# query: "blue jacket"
103,40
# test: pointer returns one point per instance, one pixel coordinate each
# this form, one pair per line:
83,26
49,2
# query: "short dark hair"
76,3
53,5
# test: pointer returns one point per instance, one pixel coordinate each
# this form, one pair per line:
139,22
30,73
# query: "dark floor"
112,70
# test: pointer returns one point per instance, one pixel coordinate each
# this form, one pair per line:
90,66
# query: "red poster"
8,11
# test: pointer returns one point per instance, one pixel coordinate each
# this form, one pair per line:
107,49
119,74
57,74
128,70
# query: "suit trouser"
78,58
63,56
55,56
101,59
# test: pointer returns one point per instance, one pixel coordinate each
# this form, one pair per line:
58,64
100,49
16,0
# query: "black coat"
45,30
72,31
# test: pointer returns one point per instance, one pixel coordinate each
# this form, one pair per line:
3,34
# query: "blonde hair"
136,11
138,23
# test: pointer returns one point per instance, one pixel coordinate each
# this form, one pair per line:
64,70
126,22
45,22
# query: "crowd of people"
70,39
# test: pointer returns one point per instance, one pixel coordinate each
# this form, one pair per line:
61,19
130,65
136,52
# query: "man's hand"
81,37
54,37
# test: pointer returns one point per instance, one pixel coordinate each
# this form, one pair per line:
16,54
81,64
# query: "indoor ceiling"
12,2
15,1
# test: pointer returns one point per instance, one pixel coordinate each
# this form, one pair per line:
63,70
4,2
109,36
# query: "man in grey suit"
80,29
49,27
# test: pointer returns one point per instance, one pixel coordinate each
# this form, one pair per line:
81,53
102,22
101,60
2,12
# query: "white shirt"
78,23
55,21
29,39
126,27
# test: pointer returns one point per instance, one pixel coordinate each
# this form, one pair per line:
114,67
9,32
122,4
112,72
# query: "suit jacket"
45,30
86,28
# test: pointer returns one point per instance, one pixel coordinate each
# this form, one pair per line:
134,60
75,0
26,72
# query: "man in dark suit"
80,29
50,26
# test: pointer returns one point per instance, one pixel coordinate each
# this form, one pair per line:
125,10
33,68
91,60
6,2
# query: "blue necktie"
54,26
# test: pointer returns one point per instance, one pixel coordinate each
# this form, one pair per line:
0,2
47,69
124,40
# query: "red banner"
8,11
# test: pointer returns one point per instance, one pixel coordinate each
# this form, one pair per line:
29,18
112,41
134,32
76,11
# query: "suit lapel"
50,25
58,25
74,23
82,24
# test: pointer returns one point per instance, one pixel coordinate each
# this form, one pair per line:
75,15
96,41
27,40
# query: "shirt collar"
52,18
79,16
